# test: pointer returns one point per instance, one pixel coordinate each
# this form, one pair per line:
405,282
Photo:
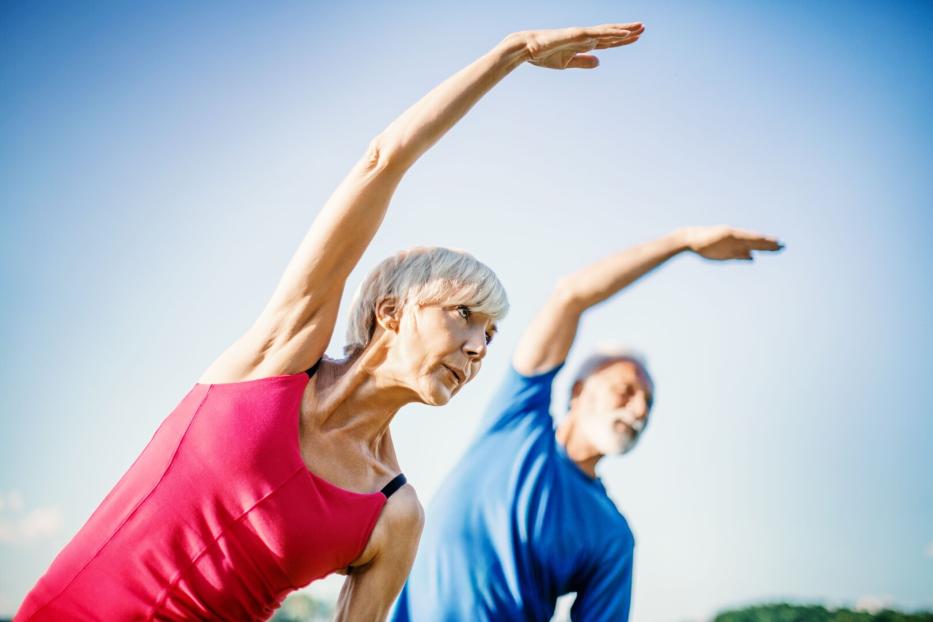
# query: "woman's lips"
458,377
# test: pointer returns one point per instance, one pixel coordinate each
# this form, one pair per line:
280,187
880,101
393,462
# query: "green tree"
301,607
784,612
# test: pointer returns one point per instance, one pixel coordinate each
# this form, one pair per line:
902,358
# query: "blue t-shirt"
517,524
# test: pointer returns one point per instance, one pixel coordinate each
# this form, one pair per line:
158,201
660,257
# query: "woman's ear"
389,314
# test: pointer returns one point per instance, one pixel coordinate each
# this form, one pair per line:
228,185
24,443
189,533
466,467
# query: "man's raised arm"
547,340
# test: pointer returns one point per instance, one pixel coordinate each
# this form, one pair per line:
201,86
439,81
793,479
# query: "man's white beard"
610,437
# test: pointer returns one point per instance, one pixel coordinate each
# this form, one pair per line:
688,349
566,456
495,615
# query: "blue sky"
159,163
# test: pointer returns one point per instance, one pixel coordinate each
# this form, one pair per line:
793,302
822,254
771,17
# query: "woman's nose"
475,346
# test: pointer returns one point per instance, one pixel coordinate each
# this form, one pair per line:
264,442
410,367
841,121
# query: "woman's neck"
359,396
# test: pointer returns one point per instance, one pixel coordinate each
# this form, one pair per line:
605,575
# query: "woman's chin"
436,395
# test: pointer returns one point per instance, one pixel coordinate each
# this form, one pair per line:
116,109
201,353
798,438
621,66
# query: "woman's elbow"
381,157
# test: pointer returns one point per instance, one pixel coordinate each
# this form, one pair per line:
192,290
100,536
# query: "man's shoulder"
617,536
516,387
614,518
606,525
521,403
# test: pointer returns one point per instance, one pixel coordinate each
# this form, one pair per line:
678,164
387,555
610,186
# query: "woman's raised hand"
566,48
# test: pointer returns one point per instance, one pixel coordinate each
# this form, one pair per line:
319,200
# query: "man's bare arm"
548,339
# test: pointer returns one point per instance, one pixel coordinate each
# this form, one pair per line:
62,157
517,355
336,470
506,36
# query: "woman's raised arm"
296,325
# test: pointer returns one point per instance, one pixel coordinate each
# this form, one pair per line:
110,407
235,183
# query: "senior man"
523,518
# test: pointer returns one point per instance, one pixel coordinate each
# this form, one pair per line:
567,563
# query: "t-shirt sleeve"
520,400
605,593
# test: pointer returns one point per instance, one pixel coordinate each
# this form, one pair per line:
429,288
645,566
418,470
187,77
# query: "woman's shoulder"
398,530
403,515
405,506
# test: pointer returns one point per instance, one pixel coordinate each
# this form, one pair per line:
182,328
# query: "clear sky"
159,163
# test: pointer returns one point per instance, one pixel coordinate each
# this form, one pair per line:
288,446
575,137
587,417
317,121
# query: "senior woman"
278,466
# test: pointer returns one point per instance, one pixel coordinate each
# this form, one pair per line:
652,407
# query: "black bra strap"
397,482
310,371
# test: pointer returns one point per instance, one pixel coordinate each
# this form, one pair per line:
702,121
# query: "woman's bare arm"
369,591
295,327
547,340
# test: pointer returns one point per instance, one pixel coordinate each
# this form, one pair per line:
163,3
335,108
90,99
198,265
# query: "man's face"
612,406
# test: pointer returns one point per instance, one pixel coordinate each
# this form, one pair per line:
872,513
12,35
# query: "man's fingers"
763,244
757,241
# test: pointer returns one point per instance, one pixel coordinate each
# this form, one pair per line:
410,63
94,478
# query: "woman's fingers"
551,48
614,43
583,61
601,36
615,29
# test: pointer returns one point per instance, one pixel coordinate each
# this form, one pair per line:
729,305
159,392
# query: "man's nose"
640,406
636,403
625,397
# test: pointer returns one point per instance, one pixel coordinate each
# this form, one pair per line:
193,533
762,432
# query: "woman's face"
439,348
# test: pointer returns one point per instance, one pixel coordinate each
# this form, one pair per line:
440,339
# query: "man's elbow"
567,295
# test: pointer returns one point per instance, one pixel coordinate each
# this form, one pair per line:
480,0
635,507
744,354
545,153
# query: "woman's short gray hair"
424,275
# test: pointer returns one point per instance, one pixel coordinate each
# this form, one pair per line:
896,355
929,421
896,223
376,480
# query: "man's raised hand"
721,242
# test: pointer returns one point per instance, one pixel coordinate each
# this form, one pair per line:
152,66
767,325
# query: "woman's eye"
464,311
489,338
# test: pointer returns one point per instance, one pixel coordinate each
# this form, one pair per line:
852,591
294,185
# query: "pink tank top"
218,518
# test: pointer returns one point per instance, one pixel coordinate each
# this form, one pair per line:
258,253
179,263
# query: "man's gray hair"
424,275
611,354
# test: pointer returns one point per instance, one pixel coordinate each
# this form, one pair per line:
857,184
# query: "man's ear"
575,392
389,314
